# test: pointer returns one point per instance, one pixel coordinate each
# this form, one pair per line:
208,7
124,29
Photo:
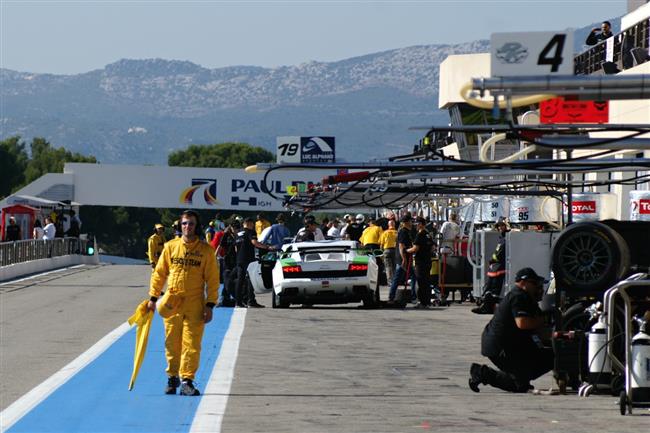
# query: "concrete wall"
35,266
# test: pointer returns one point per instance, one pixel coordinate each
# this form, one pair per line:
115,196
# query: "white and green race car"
320,272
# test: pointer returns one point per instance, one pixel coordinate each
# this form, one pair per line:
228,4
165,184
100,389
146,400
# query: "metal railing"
623,54
34,249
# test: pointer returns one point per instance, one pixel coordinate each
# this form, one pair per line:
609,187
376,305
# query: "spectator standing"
49,231
333,231
276,235
450,231
310,231
209,232
347,219
38,231
605,32
218,223
155,244
324,226
226,250
403,265
245,245
261,224
12,231
354,230
422,249
75,226
187,265
388,242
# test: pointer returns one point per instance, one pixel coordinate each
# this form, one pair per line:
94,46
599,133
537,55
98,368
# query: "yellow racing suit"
187,268
155,244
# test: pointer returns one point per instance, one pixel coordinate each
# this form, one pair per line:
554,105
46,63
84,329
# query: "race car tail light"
357,268
291,269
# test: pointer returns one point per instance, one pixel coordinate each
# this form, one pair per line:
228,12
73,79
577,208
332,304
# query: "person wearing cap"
275,237
245,245
310,231
155,244
261,224
188,267
496,273
511,339
354,230
422,249
209,232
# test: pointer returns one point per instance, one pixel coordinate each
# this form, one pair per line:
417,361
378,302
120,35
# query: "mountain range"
137,111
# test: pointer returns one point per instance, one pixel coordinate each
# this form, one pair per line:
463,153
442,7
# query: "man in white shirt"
49,230
450,231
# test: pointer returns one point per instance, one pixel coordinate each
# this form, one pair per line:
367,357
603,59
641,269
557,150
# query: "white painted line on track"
24,404
41,274
209,414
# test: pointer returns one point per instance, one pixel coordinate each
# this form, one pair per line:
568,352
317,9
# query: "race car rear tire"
277,302
589,257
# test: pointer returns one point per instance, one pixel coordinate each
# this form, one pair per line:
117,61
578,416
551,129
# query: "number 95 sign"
531,53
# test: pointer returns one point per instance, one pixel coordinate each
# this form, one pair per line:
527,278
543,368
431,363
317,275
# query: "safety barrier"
35,249
626,50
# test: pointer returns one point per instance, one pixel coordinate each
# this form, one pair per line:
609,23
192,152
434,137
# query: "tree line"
121,231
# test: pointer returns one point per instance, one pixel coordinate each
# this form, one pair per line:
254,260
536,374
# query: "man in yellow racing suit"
188,266
155,244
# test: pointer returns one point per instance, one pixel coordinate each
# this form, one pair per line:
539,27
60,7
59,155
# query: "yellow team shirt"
388,239
187,268
371,235
260,226
155,245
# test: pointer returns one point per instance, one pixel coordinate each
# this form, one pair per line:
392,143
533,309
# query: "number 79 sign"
531,53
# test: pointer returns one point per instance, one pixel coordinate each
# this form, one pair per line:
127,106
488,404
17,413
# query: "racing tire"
277,302
370,299
588,258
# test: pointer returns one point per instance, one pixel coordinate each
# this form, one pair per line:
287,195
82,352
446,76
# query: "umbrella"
142,318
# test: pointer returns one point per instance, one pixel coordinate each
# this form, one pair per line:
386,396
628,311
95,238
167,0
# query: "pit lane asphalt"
322,369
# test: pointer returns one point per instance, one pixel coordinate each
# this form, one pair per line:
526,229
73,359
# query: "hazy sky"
67,37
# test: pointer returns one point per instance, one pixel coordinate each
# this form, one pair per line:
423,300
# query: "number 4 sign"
531,53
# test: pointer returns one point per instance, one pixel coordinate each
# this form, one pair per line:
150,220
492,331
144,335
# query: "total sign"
305,150
531,53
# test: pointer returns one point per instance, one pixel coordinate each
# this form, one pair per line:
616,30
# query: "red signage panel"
560,110
583,206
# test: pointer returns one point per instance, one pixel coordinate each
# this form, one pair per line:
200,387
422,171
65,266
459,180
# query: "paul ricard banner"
186,187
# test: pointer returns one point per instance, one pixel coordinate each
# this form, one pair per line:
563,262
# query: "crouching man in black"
511,341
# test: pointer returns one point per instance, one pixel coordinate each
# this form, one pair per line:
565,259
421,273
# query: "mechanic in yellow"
188,266
155,243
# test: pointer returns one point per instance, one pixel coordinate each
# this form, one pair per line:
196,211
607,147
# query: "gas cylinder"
640,386
600,366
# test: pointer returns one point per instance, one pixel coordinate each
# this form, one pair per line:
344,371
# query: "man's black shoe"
187,388
172,383
485,308
475,378
240,305
254,304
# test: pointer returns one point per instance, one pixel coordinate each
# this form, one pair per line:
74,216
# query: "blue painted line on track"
97,400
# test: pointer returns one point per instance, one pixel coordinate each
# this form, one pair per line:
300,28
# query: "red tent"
25,216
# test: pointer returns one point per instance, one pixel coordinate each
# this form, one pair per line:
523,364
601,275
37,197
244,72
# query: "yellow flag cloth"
142,319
